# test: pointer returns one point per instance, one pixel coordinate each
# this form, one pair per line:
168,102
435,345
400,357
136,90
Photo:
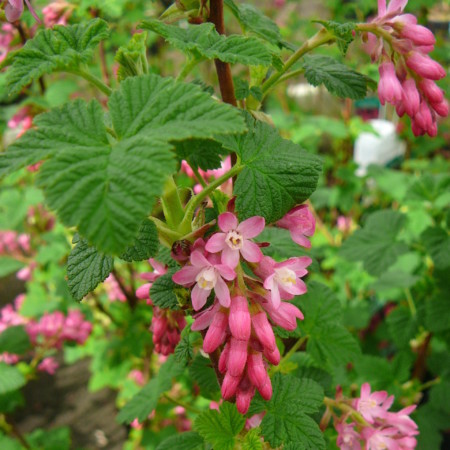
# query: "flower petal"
216,243
251,227
199,260
251,252
230,257
199,297
396,5
227,221
203,319
222,292
186,275
226,272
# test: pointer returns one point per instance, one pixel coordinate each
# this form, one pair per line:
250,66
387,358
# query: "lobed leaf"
189,440
162,292
59,48
336,77
14,340
10,378
146,244
205,41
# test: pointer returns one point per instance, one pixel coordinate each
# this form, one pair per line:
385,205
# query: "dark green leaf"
395,279
402,326
220,428
201,153
55,439
376,244
343,33
205,41
184,351
56,49
336,77
145,245
202,373
9,265
437,243
162,292
14,340
86,268
437,309
277,173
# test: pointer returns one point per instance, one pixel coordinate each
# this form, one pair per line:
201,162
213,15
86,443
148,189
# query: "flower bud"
424,66
432,91
223,360
263,330
229,385
244,395
418,34
237,357
389,88
239,318
441,108
256,370
216,332
410,97
273,356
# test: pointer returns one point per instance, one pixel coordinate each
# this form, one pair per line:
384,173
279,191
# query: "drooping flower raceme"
241,318
407,73
301,223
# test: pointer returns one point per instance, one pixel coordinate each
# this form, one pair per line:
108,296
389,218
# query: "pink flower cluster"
166,324
57,13
6,39
407,73
384,429
12,243
14,10
239,321
47,333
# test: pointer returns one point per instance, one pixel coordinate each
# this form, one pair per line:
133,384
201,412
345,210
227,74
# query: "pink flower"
301,223
239,318
48,365
137,376
424,66
348,438
284,281
14,9
159,269
206,276
234,241
166,327
285,316
76,328
6,38
373,406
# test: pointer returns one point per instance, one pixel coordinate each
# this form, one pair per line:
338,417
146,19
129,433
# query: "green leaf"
132,58
162,292
145,245
440,397
395,279
437,242
86,268
56,49
337,78
252,440
10,378
241,88
14,340
9,265
402,326
277,173
376,244
437,309
255,22
184,351
55,439
286,421
220,428
107,186
343,33
375,370
7,443
145,401
202,372
190,440
201,153
205,41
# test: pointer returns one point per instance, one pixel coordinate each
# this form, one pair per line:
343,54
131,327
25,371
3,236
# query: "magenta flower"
424,66
48,365
285,316
389,88
348,438
301,223
239,318
159,269
206,277
234,241
284,281
374,405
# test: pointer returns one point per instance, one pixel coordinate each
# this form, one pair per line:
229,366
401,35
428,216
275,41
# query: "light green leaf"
376,244
145,245
252,440
336,77
14,340
402,326
10,378
286,421
86,268
205,41
107,186
220,428
343,32
56,49
55,439
9,265
142,404
190,440
132,58
277,173
395,279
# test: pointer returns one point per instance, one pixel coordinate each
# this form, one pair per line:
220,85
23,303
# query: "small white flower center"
207,278
285,276
234,240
